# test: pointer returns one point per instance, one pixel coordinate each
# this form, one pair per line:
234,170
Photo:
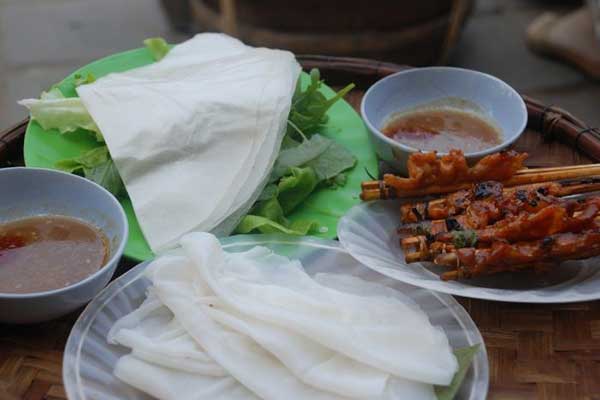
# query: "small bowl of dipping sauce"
439,109
61,238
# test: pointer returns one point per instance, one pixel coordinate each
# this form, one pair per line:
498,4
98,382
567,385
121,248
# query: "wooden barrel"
417,32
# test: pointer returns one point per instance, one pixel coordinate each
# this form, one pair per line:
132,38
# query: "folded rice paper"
195,135
172,384
377,330
226,318
258,354
155,336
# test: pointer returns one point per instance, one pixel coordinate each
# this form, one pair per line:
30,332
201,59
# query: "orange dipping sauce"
48,252
442,129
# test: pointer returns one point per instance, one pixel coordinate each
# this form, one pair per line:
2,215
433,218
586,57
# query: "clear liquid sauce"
48,252
442,129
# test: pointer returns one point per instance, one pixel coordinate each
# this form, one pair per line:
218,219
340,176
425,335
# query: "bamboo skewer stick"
373,190
375,185
378,185
553,169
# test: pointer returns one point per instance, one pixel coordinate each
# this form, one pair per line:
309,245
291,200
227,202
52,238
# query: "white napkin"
194,136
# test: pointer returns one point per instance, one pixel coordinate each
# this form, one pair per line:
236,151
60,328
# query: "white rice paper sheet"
379,331
243,358
172,384
310,362
153,335
165,361
194,136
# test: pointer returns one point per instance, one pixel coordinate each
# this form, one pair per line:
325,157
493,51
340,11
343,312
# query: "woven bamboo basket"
416,32
536,351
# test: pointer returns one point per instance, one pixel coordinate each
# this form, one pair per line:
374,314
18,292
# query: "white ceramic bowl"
89,360
28,192
405,90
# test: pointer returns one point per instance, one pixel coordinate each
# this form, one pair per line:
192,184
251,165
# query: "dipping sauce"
442,129
48,252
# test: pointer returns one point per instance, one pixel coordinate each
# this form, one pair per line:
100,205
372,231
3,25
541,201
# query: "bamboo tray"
535,351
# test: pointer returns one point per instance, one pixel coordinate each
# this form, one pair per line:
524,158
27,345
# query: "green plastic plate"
43,148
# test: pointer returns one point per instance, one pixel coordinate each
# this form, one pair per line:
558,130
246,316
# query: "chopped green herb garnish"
466,238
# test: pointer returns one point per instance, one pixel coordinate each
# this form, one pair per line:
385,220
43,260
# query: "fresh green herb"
309,107
422,230
467,238
464,356
79,79
97,166
325,156
158,47
298,155
306,161
66,114
332,162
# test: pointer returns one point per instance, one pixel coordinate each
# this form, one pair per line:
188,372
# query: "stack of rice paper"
195,135
255,325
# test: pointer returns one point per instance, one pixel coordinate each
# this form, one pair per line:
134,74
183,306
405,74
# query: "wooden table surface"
535,351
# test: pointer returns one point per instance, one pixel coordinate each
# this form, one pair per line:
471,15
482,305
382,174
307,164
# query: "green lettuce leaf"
97,166
66,114
464,356
267,217
268,214
158,47
294,188
268,192
270,209
252,223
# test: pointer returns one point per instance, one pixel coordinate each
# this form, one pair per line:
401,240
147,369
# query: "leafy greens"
97,166
307,161
66,114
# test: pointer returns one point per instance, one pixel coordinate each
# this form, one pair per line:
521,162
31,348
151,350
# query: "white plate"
89,360
368,232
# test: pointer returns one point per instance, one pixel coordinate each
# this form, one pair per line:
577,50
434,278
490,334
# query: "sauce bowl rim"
383,81
117,254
